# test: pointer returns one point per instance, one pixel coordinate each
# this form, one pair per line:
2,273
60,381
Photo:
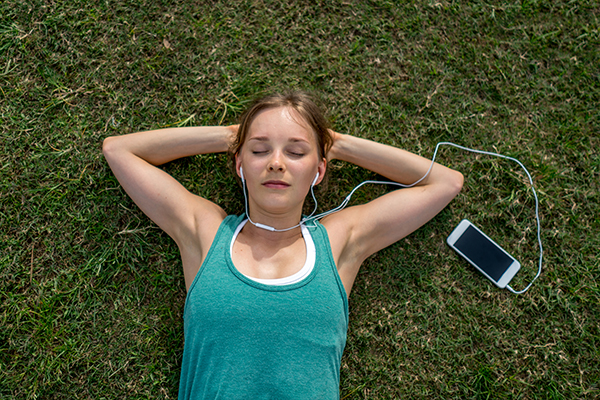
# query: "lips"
276,184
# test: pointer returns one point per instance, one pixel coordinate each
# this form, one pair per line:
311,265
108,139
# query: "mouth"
276,184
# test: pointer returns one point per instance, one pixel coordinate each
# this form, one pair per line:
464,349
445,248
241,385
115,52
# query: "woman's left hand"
336,137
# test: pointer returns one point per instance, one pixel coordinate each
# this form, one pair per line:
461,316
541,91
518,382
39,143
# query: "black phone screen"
484,253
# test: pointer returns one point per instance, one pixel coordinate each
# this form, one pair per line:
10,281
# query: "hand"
331,154
233,131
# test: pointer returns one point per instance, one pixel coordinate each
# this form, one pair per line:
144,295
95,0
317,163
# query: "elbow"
457,182
109,145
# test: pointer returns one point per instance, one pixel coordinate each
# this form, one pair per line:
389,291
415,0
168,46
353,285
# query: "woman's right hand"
234,129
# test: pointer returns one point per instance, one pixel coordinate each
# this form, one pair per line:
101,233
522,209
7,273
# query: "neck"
278,223
272,228
279,235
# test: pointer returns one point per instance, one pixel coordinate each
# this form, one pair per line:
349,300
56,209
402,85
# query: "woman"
266,312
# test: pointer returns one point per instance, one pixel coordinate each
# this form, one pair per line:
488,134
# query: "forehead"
281,123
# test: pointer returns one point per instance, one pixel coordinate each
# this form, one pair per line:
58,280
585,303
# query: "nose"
276,163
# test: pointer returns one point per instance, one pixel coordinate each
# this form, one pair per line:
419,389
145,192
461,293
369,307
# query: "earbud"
242,174
314,182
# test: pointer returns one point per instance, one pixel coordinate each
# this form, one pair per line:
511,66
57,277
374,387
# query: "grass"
91,292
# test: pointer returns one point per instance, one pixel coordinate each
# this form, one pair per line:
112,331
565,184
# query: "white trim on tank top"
296,277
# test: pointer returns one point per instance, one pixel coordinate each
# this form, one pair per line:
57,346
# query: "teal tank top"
248,340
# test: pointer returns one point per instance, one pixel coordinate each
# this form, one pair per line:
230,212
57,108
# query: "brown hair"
301,103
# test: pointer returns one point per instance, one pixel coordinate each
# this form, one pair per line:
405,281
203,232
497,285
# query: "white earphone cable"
537,216
347,200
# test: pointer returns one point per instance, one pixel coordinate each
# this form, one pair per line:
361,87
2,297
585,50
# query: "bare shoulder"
205,219
341,229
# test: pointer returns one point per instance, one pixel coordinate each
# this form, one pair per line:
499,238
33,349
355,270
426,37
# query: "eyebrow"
266,139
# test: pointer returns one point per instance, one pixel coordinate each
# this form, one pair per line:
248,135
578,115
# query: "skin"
280,160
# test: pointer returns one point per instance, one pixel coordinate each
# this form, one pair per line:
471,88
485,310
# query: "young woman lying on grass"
266,312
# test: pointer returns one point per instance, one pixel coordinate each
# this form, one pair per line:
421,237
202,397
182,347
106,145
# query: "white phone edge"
510,272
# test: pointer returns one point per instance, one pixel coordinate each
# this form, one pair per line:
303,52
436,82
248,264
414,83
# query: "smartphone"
483,253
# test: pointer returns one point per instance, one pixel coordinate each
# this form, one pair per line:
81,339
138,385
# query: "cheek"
253,167
307,169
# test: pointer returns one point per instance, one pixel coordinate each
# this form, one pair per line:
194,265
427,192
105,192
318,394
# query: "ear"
238,164
321,170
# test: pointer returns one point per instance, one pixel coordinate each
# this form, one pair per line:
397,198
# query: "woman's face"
280,160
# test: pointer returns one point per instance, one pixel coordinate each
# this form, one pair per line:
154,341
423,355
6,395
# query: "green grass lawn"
92,292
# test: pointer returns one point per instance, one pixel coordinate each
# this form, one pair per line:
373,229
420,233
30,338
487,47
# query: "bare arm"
163,145
187,218
371,227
